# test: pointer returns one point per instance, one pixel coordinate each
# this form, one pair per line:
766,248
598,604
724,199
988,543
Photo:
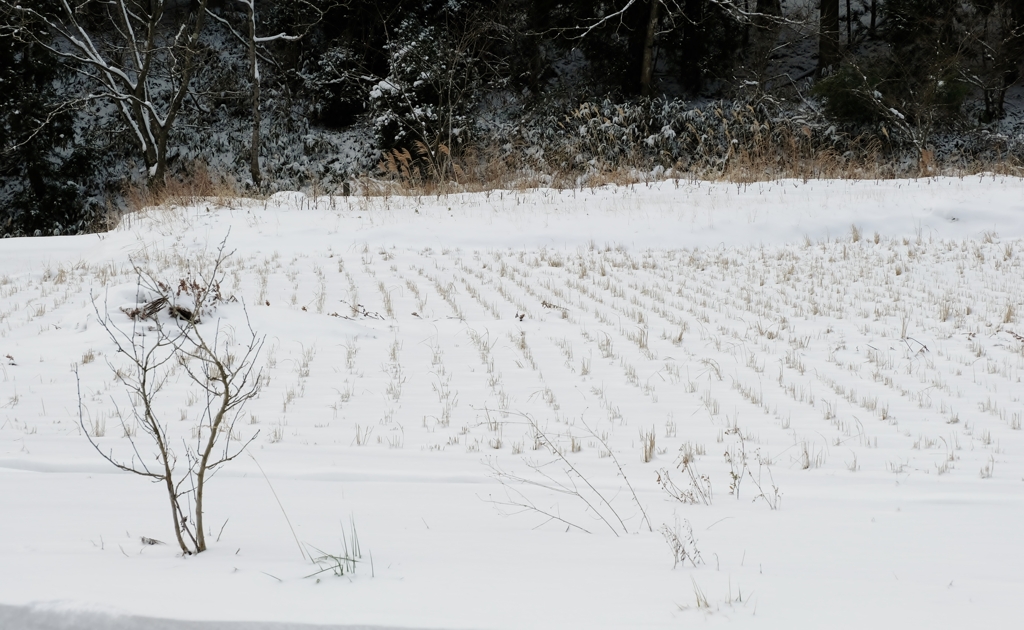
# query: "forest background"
106,105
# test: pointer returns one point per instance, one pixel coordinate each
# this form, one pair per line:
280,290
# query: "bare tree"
166,336
255,44
141,56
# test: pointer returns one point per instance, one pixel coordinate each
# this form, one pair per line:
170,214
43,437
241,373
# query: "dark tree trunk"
828,35
849,25
647,66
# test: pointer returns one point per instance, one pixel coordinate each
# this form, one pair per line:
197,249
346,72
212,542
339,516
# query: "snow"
857,342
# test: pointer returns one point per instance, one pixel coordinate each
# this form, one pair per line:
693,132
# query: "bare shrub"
155,348
682,542
559,475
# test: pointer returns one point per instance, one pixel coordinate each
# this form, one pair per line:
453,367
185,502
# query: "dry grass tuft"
195,183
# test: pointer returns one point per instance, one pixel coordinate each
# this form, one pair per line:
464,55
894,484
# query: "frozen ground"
839,363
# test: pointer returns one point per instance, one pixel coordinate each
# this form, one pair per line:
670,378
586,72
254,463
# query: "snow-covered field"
473,381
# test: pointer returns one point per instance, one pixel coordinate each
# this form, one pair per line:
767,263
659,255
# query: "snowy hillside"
779,405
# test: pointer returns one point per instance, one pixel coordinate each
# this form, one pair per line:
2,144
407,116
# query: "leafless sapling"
167,335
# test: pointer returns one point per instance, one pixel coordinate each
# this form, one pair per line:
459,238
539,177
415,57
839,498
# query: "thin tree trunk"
647,67
849,25
188,65
254,76
763,35
828,35
746,28
204,460
165,459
